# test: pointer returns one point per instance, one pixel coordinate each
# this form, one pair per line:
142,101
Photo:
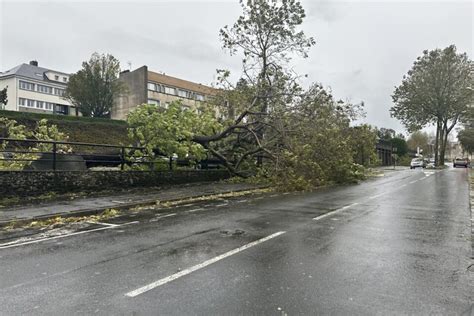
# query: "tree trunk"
444,143
436,146
441,145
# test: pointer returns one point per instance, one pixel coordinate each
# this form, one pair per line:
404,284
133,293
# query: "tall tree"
93,88
437,90
419,139
3,97
466,135
267,34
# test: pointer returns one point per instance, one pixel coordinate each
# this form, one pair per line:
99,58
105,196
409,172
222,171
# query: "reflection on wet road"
397,244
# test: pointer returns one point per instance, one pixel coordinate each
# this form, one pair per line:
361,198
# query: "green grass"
79,129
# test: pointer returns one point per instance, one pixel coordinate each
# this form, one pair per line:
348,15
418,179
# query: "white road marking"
194,210
130,223
334,212
413,181
10,245
403,185
15,244
187,271
242,201
221,205
167,215
104,224
376,196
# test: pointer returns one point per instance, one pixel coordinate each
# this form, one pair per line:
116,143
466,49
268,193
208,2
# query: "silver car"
417,163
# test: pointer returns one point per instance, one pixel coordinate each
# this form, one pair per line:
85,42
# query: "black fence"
58,155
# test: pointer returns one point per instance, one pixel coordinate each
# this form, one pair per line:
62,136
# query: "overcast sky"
363,48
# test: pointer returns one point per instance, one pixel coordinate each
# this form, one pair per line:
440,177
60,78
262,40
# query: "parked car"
430,164
418,162
461,162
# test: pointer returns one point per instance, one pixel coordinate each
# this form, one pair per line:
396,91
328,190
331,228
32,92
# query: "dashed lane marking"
195,210
192,269
376,196
335,211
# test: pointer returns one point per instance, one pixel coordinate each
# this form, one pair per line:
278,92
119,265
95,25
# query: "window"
153,101
190,95
170,90
45,89
22,101
182,93
59,92
56,77
65,79
27,85
30,103
49,106
62,109
151,86
39,104
199,97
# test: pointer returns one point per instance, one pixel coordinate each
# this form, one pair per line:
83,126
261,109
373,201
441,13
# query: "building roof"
29,71
180,83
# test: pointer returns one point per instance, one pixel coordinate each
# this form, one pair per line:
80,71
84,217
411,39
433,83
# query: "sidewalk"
88,206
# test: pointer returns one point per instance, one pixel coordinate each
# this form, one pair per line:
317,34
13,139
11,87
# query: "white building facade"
31,88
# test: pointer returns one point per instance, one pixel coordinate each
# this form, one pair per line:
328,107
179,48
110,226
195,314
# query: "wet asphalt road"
398,244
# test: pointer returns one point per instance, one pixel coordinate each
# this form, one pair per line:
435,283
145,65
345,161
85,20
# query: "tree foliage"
363,140
273,127
93,88
419,139
3,97
42,131
437,90
171,131
466,138
400,146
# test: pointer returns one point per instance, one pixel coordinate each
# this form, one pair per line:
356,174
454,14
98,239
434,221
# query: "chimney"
34,63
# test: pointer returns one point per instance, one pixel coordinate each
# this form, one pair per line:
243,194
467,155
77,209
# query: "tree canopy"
436,90
3,97
419,139
272,127
93,88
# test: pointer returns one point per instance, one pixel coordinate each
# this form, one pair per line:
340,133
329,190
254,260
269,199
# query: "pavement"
93,205
399,244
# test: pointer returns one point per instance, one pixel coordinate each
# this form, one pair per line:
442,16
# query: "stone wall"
32,183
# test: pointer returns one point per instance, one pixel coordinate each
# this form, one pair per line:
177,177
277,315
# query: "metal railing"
109,155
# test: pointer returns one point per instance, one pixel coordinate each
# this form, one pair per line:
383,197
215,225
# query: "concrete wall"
136,94
33,183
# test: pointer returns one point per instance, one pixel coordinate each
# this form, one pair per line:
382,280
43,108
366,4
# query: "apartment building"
36,89
150,87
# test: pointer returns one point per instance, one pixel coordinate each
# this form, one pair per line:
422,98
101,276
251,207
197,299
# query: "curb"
122,206
471,204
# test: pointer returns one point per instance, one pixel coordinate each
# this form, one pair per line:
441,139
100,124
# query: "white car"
417,162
